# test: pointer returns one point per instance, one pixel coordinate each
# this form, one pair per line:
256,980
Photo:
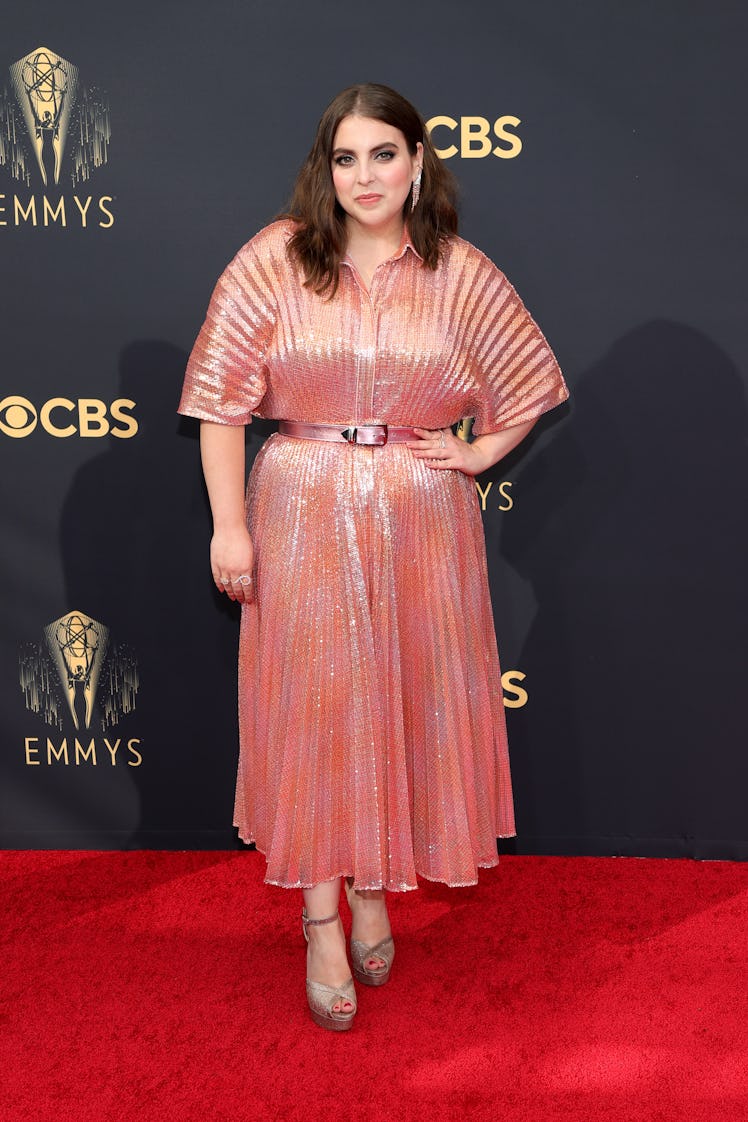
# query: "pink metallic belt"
358,434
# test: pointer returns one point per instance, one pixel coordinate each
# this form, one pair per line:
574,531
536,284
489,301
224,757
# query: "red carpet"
149,986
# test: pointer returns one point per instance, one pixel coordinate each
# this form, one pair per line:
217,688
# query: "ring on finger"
225,580
245,578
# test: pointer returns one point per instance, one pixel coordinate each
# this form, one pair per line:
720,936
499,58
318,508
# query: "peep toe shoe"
322,998
361,953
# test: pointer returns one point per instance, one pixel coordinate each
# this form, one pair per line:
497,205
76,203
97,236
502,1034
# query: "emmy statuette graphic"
78,644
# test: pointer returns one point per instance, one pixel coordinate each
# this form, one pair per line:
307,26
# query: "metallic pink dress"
372,727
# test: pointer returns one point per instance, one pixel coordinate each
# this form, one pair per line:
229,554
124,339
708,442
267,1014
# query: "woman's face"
372,172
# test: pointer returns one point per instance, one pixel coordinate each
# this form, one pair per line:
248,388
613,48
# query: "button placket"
366,355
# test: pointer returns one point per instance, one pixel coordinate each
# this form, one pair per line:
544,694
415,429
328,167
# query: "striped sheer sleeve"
225,378
516,370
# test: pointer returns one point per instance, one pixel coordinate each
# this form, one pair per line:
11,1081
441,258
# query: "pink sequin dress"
372,735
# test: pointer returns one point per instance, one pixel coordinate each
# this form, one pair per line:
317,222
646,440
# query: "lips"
367,198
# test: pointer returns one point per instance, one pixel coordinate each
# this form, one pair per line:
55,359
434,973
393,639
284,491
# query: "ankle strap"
316,922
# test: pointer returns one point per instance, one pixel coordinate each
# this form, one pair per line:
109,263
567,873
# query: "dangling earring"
416,190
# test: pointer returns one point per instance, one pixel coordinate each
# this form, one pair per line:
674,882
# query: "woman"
373,745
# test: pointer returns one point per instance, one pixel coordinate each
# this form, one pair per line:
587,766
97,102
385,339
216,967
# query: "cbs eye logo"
60,417
475,137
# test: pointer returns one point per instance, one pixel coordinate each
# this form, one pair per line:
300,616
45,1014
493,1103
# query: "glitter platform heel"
322,997
361,952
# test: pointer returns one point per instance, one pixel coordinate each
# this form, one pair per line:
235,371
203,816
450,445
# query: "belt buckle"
351,434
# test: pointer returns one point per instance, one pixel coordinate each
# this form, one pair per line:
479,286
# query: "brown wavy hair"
319,242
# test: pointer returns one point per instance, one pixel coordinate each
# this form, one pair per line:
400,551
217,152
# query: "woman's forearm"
493,446
231,548
222,454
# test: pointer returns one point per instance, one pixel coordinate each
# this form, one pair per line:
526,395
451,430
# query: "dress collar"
406,242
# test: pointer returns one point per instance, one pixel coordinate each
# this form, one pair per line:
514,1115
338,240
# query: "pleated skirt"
372,732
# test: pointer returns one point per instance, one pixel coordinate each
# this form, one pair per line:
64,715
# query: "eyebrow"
376,148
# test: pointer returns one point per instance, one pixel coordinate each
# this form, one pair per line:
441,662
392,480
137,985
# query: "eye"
344,161
385,155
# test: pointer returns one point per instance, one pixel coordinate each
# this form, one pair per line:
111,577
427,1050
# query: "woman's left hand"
440,448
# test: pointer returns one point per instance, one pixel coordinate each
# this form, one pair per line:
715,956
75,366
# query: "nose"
365,172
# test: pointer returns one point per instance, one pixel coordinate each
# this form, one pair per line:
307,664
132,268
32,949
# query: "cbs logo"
61,417
477,137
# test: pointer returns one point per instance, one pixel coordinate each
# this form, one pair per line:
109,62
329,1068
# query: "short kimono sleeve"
516,371
226,373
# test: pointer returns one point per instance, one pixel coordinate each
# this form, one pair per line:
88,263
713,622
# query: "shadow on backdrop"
135,534
639,576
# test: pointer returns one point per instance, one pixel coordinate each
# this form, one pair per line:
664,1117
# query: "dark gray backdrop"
618,572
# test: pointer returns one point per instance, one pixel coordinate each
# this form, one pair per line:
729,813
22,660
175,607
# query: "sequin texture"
372,734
